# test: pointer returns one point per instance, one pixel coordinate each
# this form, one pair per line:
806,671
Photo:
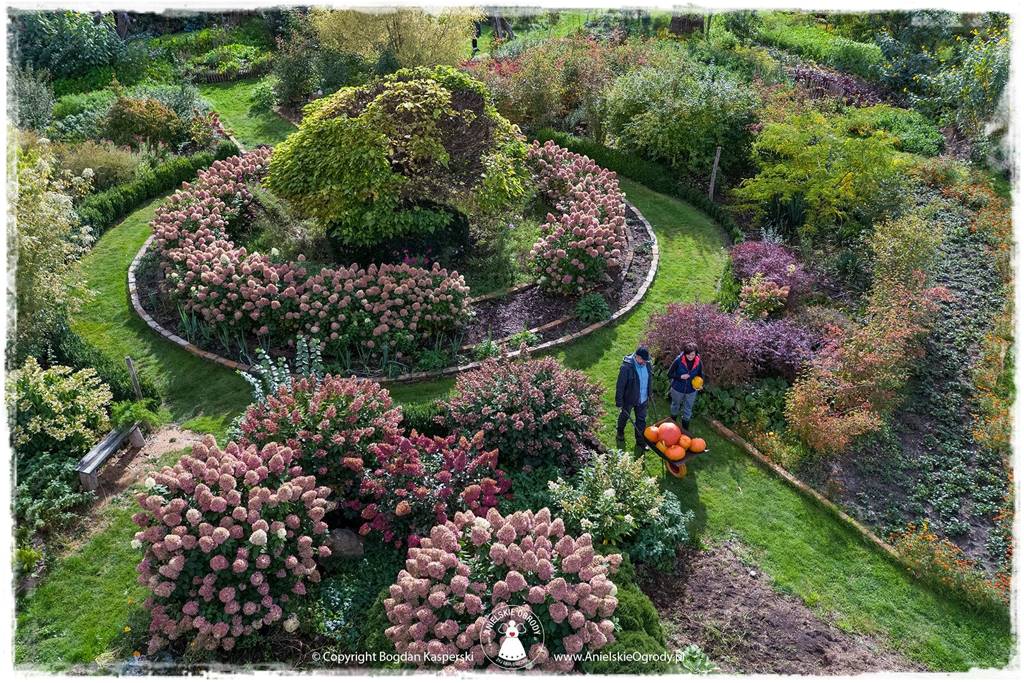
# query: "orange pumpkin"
684,441
669,433
697,445
651,433
676,453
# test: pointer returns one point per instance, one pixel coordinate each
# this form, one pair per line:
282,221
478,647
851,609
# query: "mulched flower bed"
734,615
494,319
532,307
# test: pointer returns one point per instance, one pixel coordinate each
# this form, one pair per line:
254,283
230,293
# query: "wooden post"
714,173
134,376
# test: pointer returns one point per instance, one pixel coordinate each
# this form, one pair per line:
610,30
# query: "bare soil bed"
734,615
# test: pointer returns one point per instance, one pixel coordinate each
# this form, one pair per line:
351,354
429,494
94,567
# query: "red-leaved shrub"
420,481
473,565
231,537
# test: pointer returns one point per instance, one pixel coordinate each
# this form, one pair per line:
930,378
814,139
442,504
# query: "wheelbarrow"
677,468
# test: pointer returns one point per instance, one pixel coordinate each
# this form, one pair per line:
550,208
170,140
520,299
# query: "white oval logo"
509,634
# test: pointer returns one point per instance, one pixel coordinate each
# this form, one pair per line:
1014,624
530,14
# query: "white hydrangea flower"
136,544
258,537
282,533
150,482
586,524
291,624
610,492
628,519
88,173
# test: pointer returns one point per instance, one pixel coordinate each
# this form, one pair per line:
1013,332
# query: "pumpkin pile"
671,442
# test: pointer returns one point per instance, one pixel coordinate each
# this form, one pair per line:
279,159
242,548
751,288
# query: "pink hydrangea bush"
530,410
231,538
332,424
397,306
587,238
421,480
473,564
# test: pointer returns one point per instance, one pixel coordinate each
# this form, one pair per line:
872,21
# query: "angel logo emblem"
512,637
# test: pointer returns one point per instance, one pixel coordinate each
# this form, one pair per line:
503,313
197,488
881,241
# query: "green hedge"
647,173
65,347
103,209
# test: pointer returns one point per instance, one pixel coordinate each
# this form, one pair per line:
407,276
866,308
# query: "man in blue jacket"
632,391
684,368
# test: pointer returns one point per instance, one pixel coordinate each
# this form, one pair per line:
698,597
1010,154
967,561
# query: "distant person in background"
684,369
632,391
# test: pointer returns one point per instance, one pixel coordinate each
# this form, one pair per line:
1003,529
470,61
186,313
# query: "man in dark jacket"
632,390
682,372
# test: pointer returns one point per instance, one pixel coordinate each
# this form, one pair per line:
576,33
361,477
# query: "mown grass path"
231,100
806,550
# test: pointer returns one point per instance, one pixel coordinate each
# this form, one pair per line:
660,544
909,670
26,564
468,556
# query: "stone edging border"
806,490
133,293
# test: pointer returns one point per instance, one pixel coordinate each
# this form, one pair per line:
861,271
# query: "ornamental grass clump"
332,424
531,411
232,539
390,306
587,239
421,481
473,564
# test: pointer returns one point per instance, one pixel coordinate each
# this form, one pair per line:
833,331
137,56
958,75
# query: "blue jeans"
684,402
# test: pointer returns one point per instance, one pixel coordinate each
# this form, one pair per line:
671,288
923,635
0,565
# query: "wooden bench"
88,466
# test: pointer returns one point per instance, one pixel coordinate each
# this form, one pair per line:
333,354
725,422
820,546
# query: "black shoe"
686,425
675,418
620,440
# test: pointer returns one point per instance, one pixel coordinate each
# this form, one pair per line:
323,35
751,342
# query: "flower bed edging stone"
412,376
806,490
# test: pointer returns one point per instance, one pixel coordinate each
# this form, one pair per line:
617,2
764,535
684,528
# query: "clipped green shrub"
624,656
78,103
104,209
402,156
66,347
636,612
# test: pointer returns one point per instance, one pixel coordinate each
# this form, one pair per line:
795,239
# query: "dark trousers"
639,419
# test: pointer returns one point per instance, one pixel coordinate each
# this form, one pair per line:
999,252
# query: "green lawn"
202,395
89,608
231,100
805,549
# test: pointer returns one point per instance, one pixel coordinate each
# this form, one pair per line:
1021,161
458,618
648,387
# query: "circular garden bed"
245,258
